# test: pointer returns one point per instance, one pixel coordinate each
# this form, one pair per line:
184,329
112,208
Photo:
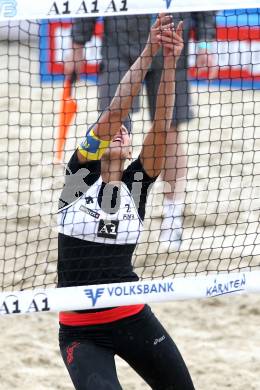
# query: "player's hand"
163,21
171,40
74,62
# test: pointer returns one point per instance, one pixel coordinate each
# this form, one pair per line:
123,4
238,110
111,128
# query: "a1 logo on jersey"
107,228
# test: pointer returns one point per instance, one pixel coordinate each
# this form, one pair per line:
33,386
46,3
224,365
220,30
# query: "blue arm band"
92,148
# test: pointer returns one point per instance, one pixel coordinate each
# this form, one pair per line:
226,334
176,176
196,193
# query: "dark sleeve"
139,184
204,25
78,178
82,30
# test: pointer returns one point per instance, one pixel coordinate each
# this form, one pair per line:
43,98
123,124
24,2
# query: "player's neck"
111,171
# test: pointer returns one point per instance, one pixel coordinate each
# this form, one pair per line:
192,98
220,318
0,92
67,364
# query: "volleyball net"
219,251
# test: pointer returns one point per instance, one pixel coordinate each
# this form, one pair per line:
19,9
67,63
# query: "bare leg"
175,174
175,168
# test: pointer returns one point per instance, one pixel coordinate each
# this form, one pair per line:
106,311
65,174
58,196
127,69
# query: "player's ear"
130,153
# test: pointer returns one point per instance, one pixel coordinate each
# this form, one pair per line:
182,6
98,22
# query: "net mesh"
221,144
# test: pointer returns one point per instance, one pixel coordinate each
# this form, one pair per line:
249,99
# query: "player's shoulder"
136,172
74,165
134,166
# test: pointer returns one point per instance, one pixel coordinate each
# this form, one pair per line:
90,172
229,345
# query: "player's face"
120,146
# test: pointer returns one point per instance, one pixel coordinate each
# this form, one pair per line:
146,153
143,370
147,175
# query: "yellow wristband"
93,148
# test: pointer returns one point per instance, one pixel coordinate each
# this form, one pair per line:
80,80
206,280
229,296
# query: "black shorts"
112,74
88,353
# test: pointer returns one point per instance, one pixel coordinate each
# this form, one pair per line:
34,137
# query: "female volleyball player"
102,208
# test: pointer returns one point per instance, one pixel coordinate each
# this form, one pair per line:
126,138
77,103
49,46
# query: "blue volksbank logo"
135,289
94,294
8,8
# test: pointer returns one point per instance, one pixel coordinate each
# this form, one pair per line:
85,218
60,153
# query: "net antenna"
220,248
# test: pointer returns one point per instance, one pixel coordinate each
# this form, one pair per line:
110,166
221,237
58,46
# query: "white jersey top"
96,243
85,219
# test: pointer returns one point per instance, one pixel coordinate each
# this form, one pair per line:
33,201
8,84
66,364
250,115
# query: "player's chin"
119,153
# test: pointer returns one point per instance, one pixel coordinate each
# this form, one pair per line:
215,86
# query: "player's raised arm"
154,147
99,137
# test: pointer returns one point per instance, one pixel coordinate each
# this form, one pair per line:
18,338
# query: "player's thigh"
182,111
91,367
149,349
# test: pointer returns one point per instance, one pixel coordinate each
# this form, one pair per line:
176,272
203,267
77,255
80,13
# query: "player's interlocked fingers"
163,21
171,40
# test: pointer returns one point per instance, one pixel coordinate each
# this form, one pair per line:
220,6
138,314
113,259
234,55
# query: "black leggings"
88,353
